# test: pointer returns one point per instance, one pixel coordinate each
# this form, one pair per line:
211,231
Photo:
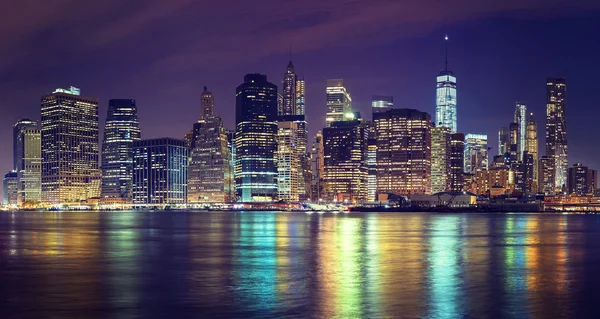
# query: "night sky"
162,52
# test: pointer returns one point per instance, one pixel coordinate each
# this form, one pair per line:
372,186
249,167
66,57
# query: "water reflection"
257,265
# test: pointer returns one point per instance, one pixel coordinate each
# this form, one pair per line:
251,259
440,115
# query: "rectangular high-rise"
556,129
338,101
317,167
160,169
290,177
546,175
582,180
69,130
476,153
457,162
445,111
503,141
10,186
521,120
440,159
30,170
531,147
403,152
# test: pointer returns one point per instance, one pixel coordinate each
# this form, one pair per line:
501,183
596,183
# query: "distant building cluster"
399,152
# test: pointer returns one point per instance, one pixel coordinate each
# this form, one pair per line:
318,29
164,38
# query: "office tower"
18,128
338,101
207,104
524,174
521,120
441,154
547,174
290,177
30,168
122,128
301,150
209,175
495,182
403,152
503,141
300,97
371,161
457,162
279,103
256,145
381,103
317,167
188,138
445,111
556,129
514,143
10,185
289,93
345,163
160,171
531,147
231,178
69,145
476,153
582,180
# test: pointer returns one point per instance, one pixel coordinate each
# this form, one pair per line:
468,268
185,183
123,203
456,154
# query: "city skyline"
418,94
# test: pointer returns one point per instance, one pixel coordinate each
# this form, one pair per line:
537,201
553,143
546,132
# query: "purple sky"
161,53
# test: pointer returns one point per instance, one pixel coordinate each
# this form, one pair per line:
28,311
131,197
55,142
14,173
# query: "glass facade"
338,101
300,97
381,103
403,152
317,167
160,171
289,93
440,159
69,130
10,188
521,120
30,172
445,111
255,140
556,129
122,128
476,153
290,177
531,147
457,162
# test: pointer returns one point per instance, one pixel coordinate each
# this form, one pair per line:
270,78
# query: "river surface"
298,265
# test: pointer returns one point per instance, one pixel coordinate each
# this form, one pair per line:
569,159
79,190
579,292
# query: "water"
298,265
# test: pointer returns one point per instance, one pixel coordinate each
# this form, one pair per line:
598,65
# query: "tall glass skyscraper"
28,161
338,101
300,97
476,153
531,147
18,128
289,93
556,129
445,111
440,159
521,120
160,171
69,145
122,128
255,140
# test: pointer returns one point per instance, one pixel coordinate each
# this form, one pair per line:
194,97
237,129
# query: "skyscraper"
381,103
556,129
256,145
457,162
503,141
301,151
30,168
207,104
209,171
371,161
289,91
345,170
582,180
445,112
521,120
122,128
514,142
10,188
20,126
531,147
317,167
403,152
547,174
476,153
290,177
69,145
300,97
440,159
160,171
338,101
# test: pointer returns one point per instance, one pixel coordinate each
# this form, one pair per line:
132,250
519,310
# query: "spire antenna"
446,40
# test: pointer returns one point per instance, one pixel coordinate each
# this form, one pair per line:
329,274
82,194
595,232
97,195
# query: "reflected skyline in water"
297,265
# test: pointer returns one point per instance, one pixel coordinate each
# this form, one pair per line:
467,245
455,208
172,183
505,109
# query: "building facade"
338,101
255,141
556,129
345,161
381,103
122,128
531,147
317,168
69,130
582,180
289,94
30,168
10,187
521,120
503,141
441,154
18,143
476,153
403,152
457,162
445,110
160,169
547,174
300,97
290,177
